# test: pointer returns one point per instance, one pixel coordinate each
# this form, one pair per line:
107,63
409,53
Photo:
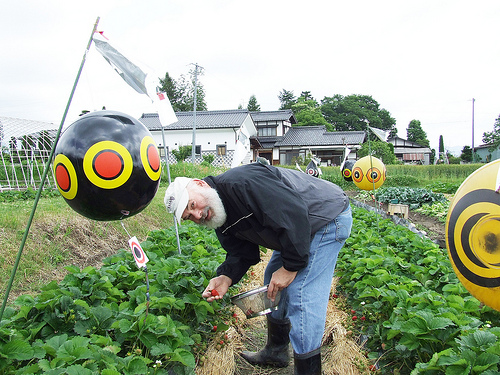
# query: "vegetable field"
411,312
406,308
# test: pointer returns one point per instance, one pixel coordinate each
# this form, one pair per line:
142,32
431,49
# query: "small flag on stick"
141,259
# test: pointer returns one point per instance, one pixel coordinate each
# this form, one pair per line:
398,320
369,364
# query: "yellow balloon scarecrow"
368,173
473,234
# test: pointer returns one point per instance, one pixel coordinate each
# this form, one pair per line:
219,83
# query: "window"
197,150
221,149
161,150
267,132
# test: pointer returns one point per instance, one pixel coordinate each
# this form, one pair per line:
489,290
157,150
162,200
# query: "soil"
428,225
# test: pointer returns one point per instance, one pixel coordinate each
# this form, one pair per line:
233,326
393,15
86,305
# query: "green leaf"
161,349
75,349
16,349
485,361
109,372
137,366
183,356
52,345
78,370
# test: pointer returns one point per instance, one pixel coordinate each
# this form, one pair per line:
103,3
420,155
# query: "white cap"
177,197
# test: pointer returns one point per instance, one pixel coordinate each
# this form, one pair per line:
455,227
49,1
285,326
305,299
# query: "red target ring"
150,158
108,164
65,176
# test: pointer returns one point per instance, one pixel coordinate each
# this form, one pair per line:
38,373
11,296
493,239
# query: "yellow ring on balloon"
464,216
114,183
153,175
483,235
474,216
369,175
359,178
64,160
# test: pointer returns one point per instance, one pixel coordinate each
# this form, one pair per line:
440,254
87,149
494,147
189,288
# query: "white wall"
208,139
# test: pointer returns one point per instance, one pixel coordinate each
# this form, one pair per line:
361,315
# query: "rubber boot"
275,353
308,363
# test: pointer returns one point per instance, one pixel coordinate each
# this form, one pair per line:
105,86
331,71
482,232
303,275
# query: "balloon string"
125,229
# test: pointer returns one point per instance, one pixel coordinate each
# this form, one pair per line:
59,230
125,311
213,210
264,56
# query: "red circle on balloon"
62,177
108,164
153,158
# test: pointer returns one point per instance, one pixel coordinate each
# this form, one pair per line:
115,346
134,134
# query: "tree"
441,144
351,113
466,154
415,133
308,113
253,106
181,92
287,99
306,95
382,150
182,153
493,138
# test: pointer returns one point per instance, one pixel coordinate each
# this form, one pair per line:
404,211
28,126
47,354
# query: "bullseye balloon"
347,169
107,166
368,173
473,234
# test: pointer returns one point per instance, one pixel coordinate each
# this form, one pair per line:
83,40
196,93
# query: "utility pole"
473,100
193,147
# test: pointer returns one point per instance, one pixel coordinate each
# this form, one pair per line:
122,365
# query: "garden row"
99,321
413,313
416,317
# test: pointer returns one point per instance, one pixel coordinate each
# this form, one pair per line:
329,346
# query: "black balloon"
347,169
107,166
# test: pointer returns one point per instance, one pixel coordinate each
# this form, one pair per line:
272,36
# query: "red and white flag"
139,255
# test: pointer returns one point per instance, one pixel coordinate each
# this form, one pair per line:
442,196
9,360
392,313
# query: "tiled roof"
204,120
318,136
281,115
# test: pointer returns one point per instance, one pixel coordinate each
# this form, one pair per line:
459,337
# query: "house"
271,127
484,155
327,146
272,136
215,133
410,152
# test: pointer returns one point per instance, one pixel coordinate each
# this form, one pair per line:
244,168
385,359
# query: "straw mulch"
341,354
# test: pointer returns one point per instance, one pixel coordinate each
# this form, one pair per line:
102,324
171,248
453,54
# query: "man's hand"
280,280
220,284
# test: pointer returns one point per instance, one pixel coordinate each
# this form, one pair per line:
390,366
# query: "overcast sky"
423,60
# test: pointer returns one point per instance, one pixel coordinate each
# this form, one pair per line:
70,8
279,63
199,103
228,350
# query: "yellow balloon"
473,234
369,173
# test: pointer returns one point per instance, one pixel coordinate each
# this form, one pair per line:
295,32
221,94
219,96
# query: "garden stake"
44,176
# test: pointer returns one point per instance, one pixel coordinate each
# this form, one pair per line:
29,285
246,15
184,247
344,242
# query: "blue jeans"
305,300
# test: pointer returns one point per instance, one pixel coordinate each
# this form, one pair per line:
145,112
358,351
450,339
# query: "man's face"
204,206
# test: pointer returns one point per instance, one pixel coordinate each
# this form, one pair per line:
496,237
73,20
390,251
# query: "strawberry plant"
99,321
417,314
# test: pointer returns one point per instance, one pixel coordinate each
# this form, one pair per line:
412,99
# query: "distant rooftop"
319,136
204,120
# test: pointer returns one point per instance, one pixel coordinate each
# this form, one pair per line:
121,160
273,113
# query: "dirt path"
341,354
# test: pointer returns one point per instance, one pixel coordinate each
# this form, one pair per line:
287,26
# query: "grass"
59,237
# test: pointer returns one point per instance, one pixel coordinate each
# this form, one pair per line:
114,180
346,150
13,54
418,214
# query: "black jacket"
278,208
